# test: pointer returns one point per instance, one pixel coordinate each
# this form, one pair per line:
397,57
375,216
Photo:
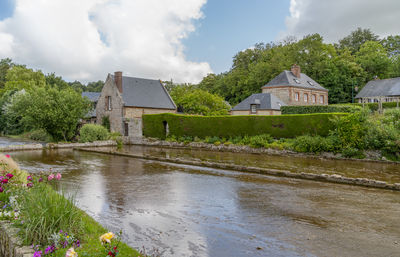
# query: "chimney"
118,80
296,70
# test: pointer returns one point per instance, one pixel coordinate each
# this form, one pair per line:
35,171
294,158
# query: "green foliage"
45,212
5,65
93,132
231,126
19,77
357,38
260,140
319,109
39,135
315,144
374,59
193,100
94,86
105,122
55,111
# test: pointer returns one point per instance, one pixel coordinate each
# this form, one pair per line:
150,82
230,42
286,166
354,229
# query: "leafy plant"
93,132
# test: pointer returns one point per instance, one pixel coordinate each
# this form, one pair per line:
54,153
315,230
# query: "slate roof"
286,78
384,87
93,97
138,92
266,101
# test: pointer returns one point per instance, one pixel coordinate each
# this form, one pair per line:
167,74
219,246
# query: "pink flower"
50,177
40,179
8,156
29,184
29,178
58,176
9,175
4,181
1,190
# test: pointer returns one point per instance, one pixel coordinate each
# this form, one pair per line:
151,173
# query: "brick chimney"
118,80
296,70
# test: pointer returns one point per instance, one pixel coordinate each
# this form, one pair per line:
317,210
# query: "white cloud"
85,40
336,19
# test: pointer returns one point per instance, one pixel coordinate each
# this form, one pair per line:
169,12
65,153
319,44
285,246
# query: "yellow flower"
106,238
71,253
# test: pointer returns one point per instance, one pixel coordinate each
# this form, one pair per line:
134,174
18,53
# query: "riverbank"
12,148
371,156
331,178
34,211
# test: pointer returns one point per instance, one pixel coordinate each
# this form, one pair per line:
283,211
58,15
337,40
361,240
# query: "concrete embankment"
10,244
11,148
331,178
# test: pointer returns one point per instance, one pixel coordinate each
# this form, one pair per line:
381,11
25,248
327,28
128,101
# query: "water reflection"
191,211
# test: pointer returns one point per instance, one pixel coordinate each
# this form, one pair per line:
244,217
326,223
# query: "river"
191,211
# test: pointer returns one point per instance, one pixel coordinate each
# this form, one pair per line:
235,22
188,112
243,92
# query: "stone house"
385,90
290,88
123,100
259,104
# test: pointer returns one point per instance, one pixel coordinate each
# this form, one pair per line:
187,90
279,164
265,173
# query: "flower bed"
49,222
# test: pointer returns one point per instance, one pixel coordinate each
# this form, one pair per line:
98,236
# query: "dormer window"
297,81
311,83
253,108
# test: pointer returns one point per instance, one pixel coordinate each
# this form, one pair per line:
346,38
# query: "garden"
49,221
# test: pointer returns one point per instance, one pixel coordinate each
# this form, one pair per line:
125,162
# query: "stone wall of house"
288,95
138,112
135,127
259,112
116,113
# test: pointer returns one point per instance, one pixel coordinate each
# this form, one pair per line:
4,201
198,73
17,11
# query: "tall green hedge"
320,109
374,106
280,126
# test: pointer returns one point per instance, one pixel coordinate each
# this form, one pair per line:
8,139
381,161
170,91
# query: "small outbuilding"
94,98
380,90
259,104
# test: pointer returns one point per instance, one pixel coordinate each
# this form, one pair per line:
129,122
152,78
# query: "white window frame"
321,99
313,98
296,96
109,103
305,97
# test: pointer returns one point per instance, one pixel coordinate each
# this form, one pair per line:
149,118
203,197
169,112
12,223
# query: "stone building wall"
138,112
288,95
116,113
259,112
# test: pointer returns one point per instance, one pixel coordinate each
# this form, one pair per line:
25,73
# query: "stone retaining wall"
371,156
12,148
10,244
280,173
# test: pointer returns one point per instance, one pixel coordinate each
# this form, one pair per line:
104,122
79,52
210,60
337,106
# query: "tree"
56,81
192,100
392,45
356,39
56,111
95,86
19,77
5,65
374,60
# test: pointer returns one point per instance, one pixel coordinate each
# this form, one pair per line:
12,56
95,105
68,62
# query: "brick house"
125,99
380,90
291,88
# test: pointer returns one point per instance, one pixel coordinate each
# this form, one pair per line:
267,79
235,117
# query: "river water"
190,211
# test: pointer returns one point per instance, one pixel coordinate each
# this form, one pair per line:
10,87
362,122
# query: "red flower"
8,156
1,190
9,175
29,185
4,181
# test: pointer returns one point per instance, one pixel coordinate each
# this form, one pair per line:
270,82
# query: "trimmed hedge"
374,106
281,126
308,109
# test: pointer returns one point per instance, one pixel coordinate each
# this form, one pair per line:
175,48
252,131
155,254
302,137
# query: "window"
311,83
253,108
314,98
297,81
305,97
296,96
108,103
321,99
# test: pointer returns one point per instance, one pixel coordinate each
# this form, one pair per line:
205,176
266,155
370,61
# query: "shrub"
39,135
92,132
308,109
261,140
314,144
232,126
350,152
105,122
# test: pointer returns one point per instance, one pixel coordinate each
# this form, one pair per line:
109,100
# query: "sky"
182,40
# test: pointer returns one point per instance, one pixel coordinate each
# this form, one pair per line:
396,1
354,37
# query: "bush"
286,126
105,122
308,109
92,132
39,135
261,140
315,144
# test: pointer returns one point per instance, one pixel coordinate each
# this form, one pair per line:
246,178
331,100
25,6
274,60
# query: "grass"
44,212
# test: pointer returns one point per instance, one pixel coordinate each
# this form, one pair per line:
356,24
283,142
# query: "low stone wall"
10,244
12,148
371,156
308,176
